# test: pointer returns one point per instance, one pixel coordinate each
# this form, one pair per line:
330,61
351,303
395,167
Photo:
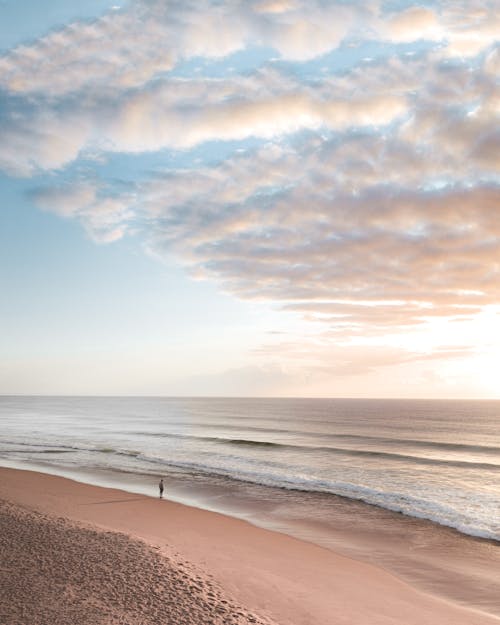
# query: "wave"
466,464
399,442
343,450
55,451
277,447
246,442
441,445
412,506
49,448
268,475
361,453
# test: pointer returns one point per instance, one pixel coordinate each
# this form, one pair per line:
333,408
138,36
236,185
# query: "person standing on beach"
160,485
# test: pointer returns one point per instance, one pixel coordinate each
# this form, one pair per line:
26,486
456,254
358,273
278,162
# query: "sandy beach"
76,554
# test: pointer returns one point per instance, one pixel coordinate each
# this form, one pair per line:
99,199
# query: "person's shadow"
99,503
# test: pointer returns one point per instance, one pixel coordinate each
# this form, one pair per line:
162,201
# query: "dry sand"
74,554
57,572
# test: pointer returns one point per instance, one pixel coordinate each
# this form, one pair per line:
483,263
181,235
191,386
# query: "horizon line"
241,397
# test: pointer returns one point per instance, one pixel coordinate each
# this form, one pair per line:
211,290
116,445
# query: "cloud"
181,114
274,6
312,366
272,226
347,317
370,200
107,85
413,23
471,27
355,252
37,138
247,381
105,219
354,221
327,359
65,202
120,50
128,48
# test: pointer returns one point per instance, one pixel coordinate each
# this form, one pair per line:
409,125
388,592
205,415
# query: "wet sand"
75,553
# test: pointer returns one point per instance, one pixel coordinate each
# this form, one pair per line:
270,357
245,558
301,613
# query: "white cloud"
407,213
41,140
106,219
66,202
128,48
277,225
391,195
183,113
472,26
105,85
413,23
275,6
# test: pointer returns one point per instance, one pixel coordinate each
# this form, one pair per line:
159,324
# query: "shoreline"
273,575
435,559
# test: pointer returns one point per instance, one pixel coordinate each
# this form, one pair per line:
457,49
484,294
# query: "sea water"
436,460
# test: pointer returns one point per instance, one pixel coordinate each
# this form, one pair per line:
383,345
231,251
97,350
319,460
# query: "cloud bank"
368,199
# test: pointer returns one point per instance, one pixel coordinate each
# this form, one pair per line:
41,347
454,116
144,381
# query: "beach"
76,553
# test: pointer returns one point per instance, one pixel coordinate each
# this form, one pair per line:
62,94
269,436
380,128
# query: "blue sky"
270,197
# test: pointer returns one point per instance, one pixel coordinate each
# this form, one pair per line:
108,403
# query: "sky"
250,198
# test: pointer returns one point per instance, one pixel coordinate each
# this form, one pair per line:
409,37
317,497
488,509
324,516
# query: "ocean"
409,486
287,458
